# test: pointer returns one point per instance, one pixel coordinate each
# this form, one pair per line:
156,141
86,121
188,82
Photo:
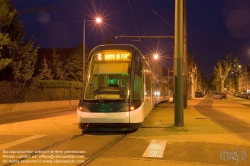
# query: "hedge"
45,91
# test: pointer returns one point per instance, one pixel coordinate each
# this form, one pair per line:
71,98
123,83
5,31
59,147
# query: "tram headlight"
83,109
131,108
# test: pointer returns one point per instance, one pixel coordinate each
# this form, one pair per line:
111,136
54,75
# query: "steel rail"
101,151
45,148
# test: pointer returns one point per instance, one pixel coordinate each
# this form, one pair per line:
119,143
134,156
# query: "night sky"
214,27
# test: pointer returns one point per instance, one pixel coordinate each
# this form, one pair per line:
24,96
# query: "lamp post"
83,52
97,20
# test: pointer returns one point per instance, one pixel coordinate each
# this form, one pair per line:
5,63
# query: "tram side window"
138,83
148,84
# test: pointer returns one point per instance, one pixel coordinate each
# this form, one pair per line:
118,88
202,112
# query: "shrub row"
59,84
44,91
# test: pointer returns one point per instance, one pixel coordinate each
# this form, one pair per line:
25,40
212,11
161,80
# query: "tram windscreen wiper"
97,94
99,98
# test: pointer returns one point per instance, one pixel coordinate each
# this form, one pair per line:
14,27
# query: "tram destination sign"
113,55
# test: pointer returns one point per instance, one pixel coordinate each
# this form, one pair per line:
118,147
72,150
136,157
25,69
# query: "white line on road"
155,149
23,140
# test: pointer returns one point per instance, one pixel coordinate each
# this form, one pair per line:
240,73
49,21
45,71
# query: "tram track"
89,159
102,150
46,148
82,148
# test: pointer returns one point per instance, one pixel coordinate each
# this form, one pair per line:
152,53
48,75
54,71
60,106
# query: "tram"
120,89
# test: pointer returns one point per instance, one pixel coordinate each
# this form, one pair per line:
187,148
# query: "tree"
56,66
4,40
18,57
224,68
214,82
197,80
190,62
4,62
45,71
21,55
23,67
7,13
73,67
203,82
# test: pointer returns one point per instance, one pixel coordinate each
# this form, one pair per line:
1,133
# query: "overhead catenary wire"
135,24
156,13
133,18
137,32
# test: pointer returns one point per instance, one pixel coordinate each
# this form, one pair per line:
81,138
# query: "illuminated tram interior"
109,76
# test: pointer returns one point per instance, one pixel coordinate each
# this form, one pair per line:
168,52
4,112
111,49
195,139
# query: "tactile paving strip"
155,149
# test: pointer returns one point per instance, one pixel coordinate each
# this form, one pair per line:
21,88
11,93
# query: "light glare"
98,20
156,56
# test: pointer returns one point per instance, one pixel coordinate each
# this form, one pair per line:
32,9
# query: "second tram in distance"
119,90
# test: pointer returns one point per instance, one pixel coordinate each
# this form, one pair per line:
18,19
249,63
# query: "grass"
176,129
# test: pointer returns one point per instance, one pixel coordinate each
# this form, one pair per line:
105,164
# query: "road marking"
155,149
23,140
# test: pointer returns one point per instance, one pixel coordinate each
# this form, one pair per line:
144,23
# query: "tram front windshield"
109,76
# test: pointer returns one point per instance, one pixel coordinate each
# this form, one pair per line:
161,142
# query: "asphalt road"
227,121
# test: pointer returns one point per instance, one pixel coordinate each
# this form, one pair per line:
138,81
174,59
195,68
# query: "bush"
45,91
59,84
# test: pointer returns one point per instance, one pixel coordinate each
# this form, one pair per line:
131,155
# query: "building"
244,79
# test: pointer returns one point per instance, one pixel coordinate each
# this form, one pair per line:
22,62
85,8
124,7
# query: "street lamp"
156,56
97,20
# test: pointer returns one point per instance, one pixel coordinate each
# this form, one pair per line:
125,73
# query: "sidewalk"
35,107
199,142
196,126
39,111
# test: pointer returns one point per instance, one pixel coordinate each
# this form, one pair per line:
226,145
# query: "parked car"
224,95
248,96
237,94
199,94
244,95
217,95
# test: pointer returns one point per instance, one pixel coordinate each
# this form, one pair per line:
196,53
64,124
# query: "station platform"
200,141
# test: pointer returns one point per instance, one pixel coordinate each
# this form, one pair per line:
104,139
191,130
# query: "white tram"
119,90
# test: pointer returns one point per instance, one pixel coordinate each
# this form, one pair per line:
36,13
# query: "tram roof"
115,46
